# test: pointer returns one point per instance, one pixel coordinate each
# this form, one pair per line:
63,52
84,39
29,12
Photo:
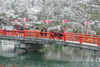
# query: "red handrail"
86,38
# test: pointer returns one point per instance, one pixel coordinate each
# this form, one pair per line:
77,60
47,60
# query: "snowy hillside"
36,11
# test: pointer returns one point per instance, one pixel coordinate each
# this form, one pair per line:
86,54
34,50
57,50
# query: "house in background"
7,27
3,25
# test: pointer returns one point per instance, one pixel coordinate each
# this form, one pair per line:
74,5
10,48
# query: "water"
52,56
39,60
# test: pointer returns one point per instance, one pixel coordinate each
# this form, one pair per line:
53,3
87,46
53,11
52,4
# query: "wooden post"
24,33
13,33
64,36
49,35
80,39
98,41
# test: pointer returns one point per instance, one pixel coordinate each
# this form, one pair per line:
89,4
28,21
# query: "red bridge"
91,40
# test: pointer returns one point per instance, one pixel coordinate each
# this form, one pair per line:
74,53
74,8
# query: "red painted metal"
71,36
47,22
86,23
2,32
36,34
2,65
64,28
24,33
64,36
98,41
13,65
13,33
80,39
50,35
93,39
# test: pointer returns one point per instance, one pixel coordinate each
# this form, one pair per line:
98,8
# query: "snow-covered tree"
76,11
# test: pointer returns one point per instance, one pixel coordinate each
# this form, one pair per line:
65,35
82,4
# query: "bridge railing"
90,40
43,35
69,36
83,38
28,33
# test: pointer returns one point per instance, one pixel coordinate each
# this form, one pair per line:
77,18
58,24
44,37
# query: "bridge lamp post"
47,23
64,22
15,21
86,23
24,21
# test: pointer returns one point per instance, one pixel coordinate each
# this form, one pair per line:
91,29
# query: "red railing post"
24,33
13,33
2,32
85,37
71,36
64,36
49,35
12,65
36,34
98,41
80,39
2,65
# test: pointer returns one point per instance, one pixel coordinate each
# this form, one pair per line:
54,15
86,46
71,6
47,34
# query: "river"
53,56
39,60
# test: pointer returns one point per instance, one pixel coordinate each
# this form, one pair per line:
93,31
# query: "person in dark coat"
5,31
61,34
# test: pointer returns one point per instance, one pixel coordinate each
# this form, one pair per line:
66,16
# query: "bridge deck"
66,39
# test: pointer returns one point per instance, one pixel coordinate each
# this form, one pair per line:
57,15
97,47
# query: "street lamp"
47,22
86,23
24,21
15,21
64,22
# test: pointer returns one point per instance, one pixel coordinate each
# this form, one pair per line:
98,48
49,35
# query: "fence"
68,36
